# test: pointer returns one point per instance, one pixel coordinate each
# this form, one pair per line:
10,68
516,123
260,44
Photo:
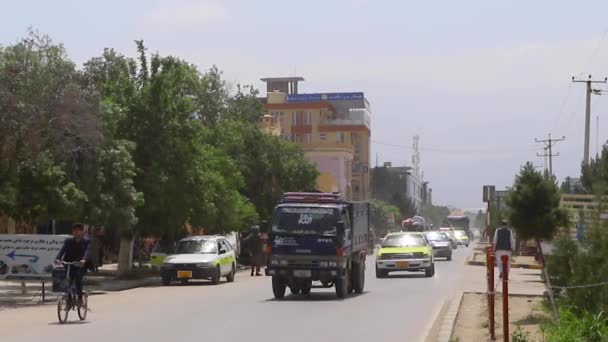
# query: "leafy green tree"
46,119
595,174
436,214
405,204
534,203
380,212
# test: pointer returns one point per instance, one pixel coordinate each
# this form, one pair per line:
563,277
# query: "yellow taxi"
405,251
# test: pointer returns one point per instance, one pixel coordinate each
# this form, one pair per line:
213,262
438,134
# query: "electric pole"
589,91
549,147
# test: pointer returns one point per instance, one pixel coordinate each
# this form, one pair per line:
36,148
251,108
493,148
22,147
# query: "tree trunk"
125,255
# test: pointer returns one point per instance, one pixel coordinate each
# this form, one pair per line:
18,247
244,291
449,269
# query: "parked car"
200,257
442,245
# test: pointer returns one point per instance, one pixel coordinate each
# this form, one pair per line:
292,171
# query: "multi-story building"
332,128
388,181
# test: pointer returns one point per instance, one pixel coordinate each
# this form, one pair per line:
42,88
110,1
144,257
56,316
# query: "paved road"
401,308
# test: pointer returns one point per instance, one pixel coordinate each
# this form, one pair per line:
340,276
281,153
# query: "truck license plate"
402,264
302,273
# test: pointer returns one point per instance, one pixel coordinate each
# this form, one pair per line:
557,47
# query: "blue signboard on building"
325,97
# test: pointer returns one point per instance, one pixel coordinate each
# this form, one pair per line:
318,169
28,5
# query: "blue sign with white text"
325,97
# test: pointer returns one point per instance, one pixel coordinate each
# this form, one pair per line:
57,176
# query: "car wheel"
430,271
216,277
306,291
230,276
449,258
278,287
380,273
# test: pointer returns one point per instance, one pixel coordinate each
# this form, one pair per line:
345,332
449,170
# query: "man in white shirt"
504,244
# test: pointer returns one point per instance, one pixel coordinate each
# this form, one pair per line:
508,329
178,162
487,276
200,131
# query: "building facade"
333,129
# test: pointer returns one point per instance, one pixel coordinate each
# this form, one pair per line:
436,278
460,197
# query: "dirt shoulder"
472,322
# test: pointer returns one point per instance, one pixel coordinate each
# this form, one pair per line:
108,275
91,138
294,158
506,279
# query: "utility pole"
549,147
589,91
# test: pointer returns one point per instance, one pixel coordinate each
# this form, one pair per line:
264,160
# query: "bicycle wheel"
83,308
63,308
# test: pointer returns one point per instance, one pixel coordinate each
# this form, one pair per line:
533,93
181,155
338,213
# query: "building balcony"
355,117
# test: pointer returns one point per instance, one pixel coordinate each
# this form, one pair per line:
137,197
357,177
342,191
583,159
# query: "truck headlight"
204,264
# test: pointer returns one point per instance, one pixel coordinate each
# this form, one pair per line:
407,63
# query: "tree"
47,118
405,204
380,212
436,214
534,203
595,174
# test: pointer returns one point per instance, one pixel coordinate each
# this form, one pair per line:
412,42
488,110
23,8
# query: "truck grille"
303,263
416,255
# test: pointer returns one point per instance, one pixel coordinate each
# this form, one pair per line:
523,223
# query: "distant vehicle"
462,237
200,257
449,231
460,222
414,224
3,267
442,245
318,237
405,251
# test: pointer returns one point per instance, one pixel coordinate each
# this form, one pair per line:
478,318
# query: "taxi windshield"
194,247
403,241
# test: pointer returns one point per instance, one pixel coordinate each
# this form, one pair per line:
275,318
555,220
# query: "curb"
449,319
513,265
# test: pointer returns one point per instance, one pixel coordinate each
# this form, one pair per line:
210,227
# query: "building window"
307,138
340,137
322,136
278,117
301,118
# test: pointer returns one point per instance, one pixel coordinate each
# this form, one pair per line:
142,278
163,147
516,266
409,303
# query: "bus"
460,222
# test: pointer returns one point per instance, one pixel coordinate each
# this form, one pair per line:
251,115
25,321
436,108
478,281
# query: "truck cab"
318,237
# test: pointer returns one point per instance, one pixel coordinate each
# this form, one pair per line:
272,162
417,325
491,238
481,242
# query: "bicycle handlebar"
73,263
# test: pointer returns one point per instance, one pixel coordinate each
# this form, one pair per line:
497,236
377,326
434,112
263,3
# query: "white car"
200,257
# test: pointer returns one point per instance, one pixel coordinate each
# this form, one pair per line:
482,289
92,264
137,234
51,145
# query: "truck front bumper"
315,274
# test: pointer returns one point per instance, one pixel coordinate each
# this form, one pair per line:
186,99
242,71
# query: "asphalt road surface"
400,308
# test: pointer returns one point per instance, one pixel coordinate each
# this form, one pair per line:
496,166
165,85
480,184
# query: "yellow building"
332,128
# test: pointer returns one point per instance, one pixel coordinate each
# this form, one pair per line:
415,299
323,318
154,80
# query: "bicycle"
69,300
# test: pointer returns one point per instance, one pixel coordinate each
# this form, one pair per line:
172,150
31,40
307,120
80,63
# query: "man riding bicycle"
76,249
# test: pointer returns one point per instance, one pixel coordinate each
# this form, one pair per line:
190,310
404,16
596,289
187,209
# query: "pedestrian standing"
504,244
254,242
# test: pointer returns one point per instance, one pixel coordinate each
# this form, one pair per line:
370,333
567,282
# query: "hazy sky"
477,80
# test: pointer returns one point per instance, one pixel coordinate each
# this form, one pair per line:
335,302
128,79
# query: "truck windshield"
306,220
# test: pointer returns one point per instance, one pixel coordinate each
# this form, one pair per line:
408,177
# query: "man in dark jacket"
504,244
254,243
74,249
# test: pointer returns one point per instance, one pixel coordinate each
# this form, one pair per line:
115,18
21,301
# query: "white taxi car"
200,257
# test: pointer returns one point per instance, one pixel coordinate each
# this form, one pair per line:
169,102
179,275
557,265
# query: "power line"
452,151
549,147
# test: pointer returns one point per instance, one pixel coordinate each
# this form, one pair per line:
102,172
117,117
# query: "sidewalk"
479,259
465,318
12,297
